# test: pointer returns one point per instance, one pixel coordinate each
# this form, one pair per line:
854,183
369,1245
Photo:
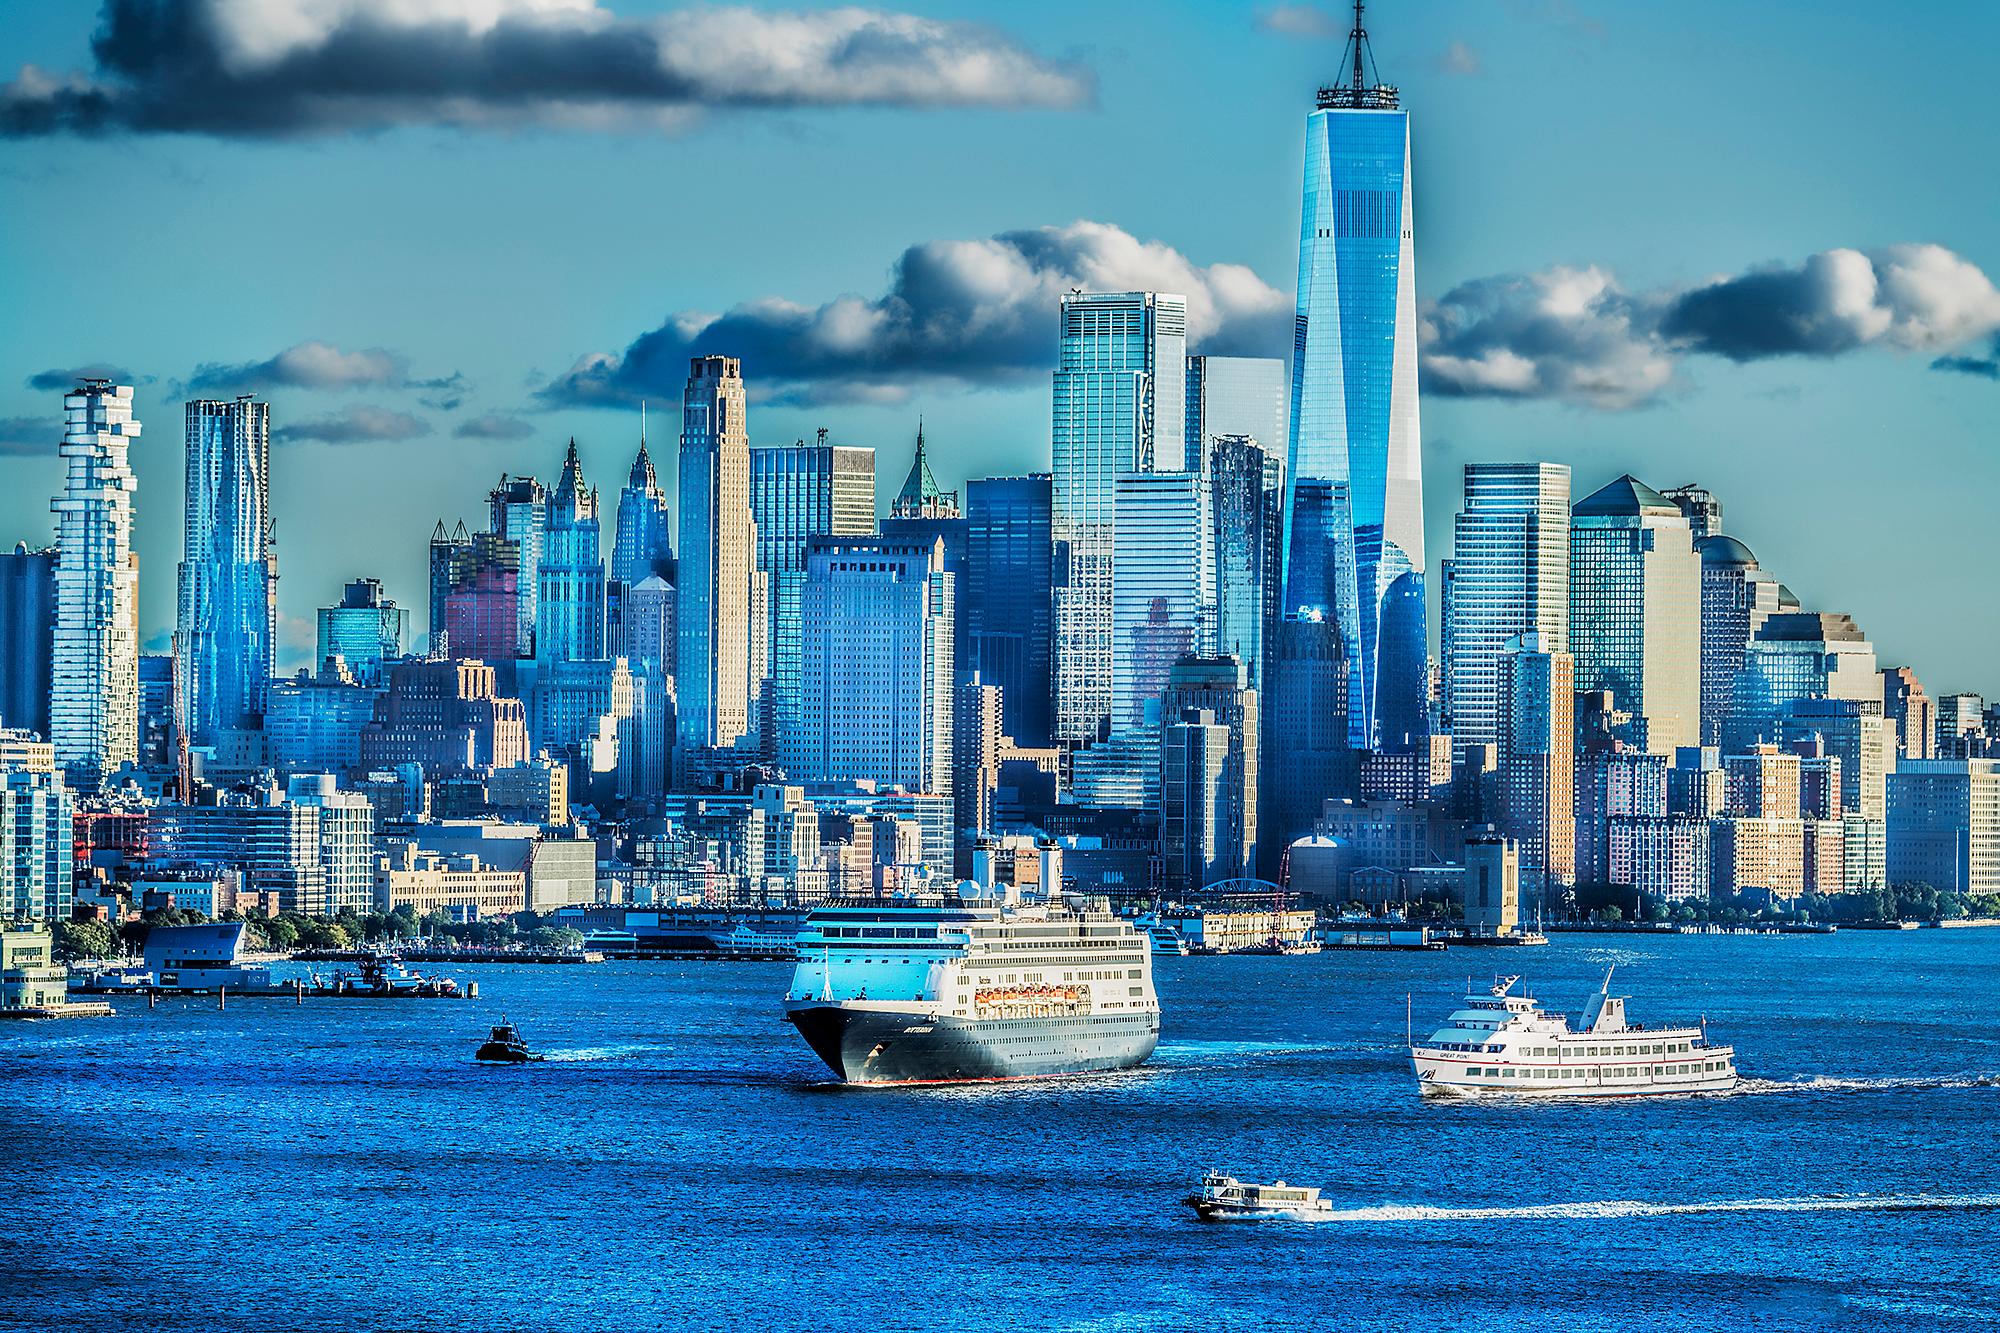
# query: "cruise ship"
1503,1044
957,990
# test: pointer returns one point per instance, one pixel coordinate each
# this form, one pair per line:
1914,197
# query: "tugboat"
505,1047
1225,1197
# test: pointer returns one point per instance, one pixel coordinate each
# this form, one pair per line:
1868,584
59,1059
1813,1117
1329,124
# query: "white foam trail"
1618,1208
1756,1087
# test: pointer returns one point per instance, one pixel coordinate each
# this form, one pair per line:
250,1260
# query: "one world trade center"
1355,550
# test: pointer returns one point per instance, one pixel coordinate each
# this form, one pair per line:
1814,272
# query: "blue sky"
486,252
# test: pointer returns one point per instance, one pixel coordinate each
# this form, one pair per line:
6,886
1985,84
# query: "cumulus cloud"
1300,21
29,437
293,67
355,425
316,365
61,381
972,312
1576,335
494,426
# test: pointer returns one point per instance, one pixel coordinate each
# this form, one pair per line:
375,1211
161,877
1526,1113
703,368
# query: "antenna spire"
1355,39
1357,93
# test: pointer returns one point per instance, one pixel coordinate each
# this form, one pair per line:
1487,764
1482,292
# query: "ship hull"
888,1046
1434,1082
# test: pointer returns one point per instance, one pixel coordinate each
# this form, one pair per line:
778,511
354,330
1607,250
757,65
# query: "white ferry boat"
1503,1044
1166,941
1225,1197
964,990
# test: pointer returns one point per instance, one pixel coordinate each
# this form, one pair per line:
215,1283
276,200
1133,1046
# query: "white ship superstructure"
1503,1044
957,990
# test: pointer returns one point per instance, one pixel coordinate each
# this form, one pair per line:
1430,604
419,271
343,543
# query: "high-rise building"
27,634
1536,738
1635,610
1944,824
648,617
1242,396
798,492
1209,790
721,591
1356,513
1703,510
923,512
1119,407
1855,732
1492,885
1798,655
644,543
1906,705
1307,757
1737,597
366,630
1163,609
445,716
1508,576
1246,480
1195,841
1006,608
94,695
225,629
37,819
313,723
877,668
1961,727
977,734
518,512
570,613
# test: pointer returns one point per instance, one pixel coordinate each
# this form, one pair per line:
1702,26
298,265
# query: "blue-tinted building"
570,615
365,630
1005,614
1355,461
644,545
227,621
27,636
1246,498
798,492
1236,395
1119,407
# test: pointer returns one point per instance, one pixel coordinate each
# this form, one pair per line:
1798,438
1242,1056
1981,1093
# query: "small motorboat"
505,1047
1224,1197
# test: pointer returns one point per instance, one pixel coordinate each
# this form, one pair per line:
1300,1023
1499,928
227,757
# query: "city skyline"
1756,430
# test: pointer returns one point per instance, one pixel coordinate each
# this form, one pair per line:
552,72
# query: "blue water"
681,1161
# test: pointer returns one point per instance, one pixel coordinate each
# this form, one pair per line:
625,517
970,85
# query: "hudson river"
681,1160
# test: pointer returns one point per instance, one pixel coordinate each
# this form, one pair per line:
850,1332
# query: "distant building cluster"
1192,656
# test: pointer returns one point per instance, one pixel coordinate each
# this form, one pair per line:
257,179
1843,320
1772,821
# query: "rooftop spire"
920,494
1359,94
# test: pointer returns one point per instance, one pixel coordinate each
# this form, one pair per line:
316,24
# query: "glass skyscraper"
1355,463
1236,395
1119,407
798,492
1246,496
227,617
1508,576
1163,609
1635,611
1006,608
94,686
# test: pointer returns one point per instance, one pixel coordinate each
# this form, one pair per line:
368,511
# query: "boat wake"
573,1054
1621,1208
1764,1087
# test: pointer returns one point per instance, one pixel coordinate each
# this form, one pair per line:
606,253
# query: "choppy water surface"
681,1161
